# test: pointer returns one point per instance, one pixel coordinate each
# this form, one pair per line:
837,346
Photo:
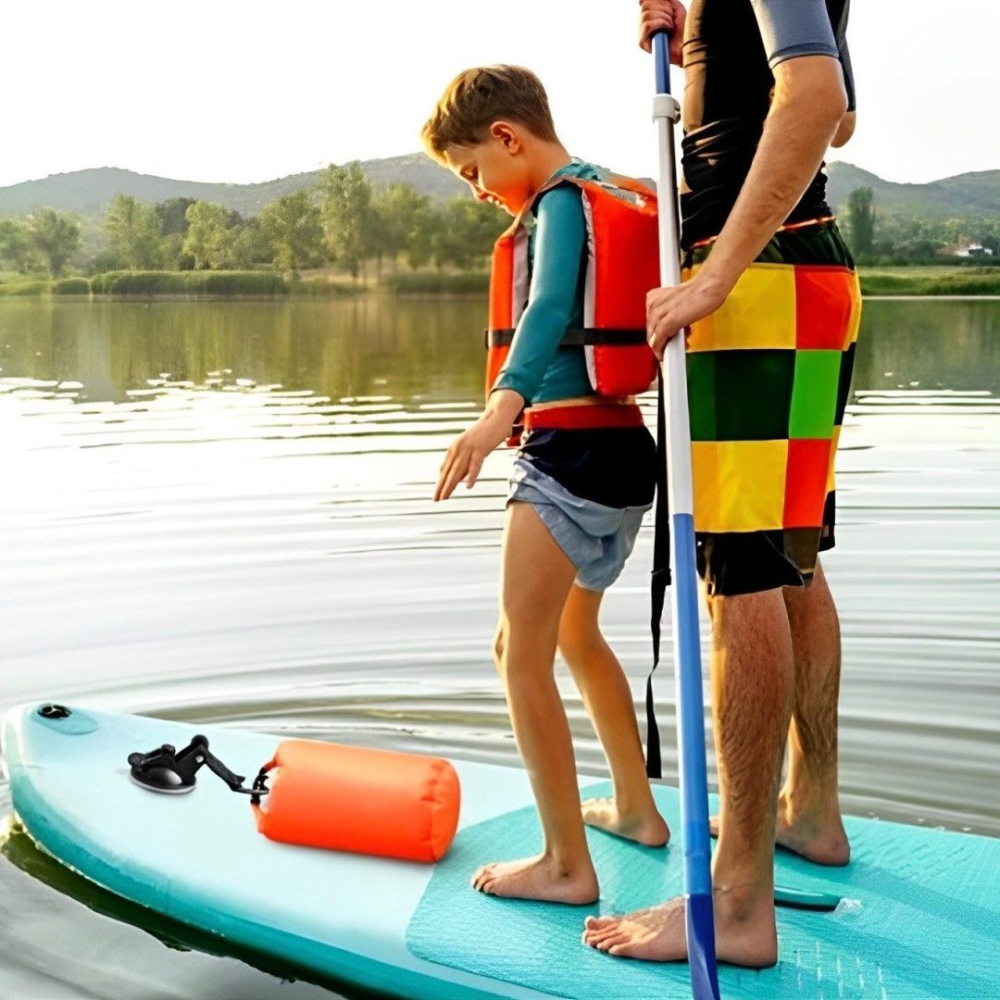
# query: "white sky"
224,91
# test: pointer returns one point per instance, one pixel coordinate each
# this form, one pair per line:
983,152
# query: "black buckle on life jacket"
166,769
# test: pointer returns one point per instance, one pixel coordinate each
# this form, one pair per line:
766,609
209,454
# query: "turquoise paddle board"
915,915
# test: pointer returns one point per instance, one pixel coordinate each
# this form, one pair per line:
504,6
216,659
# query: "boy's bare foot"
539,878
648,828
817,838
745,932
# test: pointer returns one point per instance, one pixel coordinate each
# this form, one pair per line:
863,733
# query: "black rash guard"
730,49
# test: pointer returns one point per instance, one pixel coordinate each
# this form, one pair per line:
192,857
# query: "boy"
583,477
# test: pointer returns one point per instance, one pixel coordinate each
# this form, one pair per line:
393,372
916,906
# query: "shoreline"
133,298
889,282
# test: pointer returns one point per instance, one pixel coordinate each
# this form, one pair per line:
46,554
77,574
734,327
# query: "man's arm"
808,106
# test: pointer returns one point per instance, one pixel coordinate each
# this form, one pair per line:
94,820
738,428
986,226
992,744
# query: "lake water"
221,512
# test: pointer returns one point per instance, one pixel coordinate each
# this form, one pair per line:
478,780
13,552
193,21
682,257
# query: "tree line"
343,220
877,237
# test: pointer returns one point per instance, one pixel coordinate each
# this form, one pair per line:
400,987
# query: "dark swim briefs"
591,488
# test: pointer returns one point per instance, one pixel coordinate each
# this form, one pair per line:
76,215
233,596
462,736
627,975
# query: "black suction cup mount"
173,771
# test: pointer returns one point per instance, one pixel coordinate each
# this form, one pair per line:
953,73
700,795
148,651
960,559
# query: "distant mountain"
966,194
87,192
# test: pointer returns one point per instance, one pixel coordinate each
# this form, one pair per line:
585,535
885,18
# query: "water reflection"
222,512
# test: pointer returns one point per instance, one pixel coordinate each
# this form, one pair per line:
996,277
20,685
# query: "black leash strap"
660,577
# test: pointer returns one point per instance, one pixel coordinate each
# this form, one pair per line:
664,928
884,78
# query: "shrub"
26,288
477,282
71,286
100,284
189,284
149,283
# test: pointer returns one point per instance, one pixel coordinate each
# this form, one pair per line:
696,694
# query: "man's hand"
670,310
468,451
662,15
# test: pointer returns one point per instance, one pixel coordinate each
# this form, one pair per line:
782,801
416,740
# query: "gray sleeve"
791,28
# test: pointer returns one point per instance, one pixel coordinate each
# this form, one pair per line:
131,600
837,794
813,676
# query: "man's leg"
809,820
753,692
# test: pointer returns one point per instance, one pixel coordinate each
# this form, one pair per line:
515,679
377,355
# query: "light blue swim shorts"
597,539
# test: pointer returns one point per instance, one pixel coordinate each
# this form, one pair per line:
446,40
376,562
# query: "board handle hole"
54,712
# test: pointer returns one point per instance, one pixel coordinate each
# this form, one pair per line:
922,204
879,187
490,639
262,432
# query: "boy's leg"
535,577
809,820
632,812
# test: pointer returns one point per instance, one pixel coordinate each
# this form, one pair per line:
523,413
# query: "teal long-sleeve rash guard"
536,366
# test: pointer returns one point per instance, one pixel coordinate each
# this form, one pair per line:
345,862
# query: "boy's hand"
468,452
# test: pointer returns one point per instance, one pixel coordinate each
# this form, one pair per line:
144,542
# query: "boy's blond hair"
478,97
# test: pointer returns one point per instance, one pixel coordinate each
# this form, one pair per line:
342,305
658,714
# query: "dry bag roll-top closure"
622,265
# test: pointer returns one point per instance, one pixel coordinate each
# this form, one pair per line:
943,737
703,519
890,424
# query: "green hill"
975,194
87,192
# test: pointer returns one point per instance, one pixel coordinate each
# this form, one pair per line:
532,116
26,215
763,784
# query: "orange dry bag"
396,805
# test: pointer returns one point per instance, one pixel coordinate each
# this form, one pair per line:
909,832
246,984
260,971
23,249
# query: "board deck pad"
919,917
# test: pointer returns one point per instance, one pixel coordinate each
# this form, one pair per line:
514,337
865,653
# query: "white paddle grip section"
665,112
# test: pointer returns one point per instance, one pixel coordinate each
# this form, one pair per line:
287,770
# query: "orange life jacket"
622,265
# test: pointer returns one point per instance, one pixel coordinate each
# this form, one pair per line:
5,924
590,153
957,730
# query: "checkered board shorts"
769,375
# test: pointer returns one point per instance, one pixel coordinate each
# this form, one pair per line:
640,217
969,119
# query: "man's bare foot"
816,835
648,828
538,878
821,840
745,932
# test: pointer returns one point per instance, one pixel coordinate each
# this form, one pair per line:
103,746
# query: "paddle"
687,644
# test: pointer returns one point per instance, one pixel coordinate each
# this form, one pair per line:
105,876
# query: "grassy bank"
155,284
930,281
875,282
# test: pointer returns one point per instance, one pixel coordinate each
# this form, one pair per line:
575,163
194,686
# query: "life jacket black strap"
590,336
660,577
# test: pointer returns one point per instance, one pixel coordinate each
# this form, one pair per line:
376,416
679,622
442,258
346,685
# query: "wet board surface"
920,916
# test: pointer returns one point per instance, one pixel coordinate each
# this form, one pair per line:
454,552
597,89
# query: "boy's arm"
559,242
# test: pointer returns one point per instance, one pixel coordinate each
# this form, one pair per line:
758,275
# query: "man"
768,89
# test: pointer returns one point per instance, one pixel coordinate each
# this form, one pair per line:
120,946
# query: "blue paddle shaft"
661,59
690,715
700,925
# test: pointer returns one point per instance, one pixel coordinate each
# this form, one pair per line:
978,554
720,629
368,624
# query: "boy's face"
494,169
